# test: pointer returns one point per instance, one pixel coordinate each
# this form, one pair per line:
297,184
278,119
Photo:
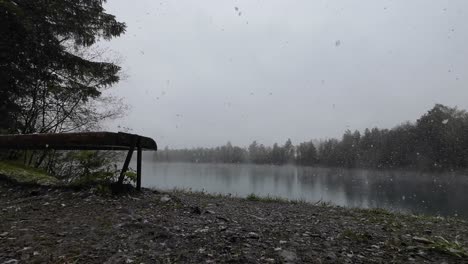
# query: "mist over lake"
399,190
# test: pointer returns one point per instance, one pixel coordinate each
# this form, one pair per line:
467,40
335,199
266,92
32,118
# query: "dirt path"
39,225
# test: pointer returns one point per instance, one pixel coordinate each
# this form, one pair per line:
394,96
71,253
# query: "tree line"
437,140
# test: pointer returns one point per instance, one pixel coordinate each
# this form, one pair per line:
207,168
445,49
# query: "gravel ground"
57,225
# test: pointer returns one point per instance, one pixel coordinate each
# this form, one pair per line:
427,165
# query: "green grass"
25,175
271,199
374,211
250,197
442,245
253,197
177,190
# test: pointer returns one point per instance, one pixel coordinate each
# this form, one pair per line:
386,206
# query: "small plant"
253,197
103,189
442,245
374,211
324,204
272,199
379,211
131,176
268,198
356,236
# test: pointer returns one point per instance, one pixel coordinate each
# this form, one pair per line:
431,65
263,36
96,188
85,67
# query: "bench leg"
125,166
138,182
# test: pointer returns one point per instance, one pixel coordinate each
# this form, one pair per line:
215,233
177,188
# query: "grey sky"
200,74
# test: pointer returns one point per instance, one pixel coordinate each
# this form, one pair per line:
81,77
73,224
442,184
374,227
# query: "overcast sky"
201,73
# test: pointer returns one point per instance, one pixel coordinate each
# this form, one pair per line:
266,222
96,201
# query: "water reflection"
417,192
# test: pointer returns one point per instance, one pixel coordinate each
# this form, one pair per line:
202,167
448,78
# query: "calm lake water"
443,194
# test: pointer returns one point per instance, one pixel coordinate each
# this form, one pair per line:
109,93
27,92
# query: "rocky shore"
60,225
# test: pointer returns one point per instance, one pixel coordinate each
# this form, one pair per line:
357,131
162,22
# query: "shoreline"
43,224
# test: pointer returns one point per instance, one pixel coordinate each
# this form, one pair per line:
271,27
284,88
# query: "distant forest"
437,140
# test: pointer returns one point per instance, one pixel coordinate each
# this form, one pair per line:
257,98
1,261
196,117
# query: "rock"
331,256
233,239
288,256
209,212
165,198
11,261
196,210
222,218
34,193
282,242
117,258
253,235
296,243
4,234
202,230
24,256
422,240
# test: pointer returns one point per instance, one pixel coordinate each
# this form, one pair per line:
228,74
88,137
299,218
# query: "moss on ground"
25,175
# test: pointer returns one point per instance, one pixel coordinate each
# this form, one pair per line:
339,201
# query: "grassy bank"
21,174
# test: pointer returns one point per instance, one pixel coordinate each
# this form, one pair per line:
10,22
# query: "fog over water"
404,191
201,73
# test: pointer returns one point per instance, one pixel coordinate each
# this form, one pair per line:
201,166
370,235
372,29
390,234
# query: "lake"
442,194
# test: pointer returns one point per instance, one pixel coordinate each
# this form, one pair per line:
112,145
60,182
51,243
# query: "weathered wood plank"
76,141
138,179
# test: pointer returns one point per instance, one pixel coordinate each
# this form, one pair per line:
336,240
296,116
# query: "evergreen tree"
44,76
306,154
277,155
289,152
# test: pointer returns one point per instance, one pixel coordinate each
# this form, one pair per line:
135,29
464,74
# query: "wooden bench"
85,141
